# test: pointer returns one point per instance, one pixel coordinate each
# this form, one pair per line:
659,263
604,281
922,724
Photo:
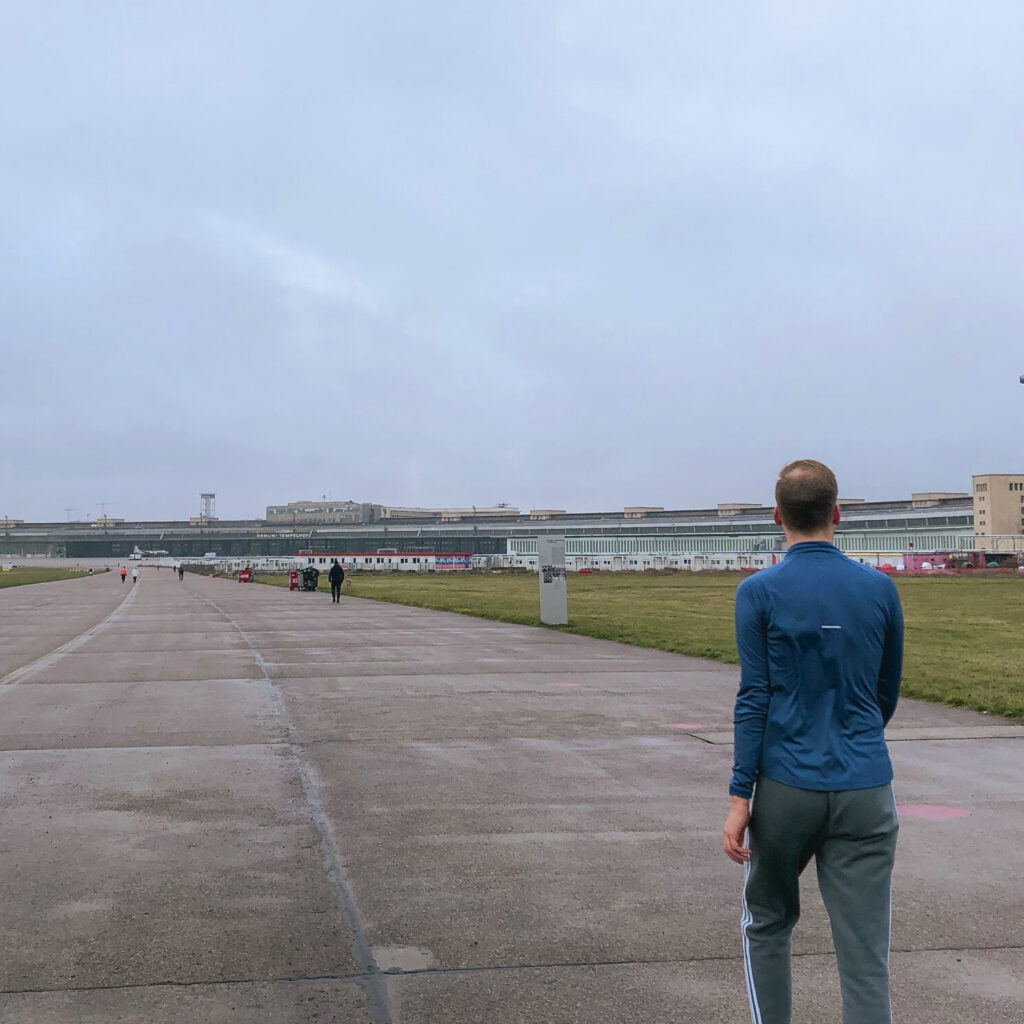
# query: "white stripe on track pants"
852,837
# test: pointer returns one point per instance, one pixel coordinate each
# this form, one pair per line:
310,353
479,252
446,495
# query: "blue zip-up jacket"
820,639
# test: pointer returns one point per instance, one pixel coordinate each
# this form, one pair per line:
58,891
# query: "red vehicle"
245,575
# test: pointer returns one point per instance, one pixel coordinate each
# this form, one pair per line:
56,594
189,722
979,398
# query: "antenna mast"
207,506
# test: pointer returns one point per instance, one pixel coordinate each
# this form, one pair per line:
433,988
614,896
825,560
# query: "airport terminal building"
990,519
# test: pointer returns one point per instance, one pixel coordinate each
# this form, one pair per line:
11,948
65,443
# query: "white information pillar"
554,609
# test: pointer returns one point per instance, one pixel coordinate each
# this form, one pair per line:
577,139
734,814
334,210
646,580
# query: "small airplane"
137,555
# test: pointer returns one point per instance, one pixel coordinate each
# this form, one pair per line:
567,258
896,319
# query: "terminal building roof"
861,515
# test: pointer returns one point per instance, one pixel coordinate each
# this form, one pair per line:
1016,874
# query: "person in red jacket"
124,573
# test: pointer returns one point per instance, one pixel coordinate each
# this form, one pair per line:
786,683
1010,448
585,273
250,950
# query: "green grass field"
962,643
22,574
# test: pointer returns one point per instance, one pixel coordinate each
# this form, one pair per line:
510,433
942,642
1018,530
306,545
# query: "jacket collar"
811,546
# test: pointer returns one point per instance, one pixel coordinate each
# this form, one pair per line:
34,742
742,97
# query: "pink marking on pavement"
931,812
685,725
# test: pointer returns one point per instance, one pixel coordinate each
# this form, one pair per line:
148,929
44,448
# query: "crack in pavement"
371,980
361,978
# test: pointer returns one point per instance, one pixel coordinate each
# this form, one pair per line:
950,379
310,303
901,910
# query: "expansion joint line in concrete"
667,961
361,979
371,979
46,660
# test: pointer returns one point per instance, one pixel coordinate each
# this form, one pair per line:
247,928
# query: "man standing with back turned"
821,650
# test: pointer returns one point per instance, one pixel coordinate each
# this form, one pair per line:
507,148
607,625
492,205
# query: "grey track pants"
852,837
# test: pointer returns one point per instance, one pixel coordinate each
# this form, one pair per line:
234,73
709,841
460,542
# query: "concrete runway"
230,804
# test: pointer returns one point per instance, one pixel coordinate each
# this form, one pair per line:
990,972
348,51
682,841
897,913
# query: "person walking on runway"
124,574
820,641
135,574
336,577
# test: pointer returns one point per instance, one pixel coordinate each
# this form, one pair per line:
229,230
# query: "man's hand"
735,825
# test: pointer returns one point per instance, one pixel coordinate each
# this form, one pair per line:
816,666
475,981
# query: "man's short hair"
806,493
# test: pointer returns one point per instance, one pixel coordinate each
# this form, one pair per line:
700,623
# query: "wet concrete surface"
40,617
232,803
280,1002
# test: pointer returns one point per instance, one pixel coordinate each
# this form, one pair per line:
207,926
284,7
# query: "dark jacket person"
336,576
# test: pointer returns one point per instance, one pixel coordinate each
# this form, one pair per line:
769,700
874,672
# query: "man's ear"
835,516
778,518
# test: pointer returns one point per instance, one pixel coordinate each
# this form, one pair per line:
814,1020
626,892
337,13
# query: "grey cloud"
577,254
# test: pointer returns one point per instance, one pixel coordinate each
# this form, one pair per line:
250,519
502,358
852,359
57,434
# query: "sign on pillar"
554,609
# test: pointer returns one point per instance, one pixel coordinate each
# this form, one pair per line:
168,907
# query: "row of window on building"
685,547
387,561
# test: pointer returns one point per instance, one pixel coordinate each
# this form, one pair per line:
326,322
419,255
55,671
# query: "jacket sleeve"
755,689
892,659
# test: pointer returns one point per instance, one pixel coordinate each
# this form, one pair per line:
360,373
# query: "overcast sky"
561,254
